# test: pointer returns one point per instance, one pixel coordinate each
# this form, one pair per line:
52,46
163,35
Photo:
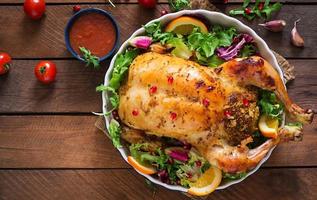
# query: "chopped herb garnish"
90,59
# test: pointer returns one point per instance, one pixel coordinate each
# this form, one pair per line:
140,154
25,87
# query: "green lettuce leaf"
115,132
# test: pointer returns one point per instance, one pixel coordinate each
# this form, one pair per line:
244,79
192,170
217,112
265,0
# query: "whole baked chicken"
177,98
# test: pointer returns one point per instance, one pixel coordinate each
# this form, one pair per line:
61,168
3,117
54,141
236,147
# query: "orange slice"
143,169
268,126
185,25
207,182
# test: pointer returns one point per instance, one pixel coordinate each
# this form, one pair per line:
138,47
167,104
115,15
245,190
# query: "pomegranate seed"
189,175
206,102
115,115
198,163
228,114
247,11
260,6
225,1
187,146
173,115
152,89
135,112
210,88
246,102
170,79
76,8
164,12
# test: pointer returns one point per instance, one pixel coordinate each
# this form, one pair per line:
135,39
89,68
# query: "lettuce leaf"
115,132
269,105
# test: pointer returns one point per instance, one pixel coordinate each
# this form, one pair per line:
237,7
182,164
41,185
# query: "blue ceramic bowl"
83,12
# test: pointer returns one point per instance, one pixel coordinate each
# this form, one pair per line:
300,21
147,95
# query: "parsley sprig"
90,59
260,9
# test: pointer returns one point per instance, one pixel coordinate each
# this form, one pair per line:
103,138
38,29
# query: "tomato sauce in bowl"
93,29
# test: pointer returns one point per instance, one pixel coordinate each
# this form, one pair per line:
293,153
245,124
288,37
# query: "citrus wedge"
143,169
268,126
207,182
185,25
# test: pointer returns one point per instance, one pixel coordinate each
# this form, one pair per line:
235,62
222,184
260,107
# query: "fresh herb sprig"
260,9
177,5
90,59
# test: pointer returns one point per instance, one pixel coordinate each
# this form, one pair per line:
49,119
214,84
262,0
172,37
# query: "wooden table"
50,149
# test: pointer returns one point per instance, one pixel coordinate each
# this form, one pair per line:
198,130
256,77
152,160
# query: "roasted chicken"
169,96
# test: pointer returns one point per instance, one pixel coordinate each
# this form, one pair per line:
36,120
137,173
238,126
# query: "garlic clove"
274,26
296,39
141,42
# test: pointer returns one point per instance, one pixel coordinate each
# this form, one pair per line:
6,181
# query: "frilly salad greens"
175,165
180,165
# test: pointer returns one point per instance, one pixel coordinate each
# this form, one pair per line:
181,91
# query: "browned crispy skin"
202,106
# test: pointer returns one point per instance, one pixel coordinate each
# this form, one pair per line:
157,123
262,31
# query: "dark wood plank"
24,38
74,89
55,142
127,184
74,142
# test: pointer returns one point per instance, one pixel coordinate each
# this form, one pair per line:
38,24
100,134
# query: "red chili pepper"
170,79
135,112
153,90
260,6
173,116
246,102
228,114
206,102
247,11
76,8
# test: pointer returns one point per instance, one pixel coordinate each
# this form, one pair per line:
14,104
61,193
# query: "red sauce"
95,32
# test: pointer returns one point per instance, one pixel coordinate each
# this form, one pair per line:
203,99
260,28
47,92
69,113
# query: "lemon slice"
141,168
207,182
268,126
185,25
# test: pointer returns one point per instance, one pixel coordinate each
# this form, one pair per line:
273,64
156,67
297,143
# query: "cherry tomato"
45,71
5,60
147,3
76,8
34,8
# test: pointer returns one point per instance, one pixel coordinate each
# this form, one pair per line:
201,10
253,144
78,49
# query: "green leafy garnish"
115,132
177,5
247,50
224,35
260,9
114,98
234,176
90,59
180,48
269,105
154,30
121,65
